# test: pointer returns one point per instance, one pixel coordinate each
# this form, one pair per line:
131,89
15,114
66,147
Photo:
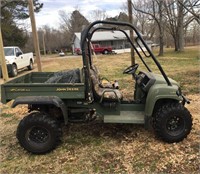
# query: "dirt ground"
102,148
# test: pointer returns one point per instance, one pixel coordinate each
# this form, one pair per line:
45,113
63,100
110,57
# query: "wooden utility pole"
130,15
43,39
35,35
2,60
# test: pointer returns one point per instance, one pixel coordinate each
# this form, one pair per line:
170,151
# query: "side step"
136,117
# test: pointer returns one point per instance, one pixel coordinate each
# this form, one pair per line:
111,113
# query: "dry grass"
109,148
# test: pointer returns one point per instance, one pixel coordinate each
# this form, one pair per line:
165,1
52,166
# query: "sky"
49,15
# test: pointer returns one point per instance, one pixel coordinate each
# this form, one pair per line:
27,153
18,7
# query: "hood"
160,80
9,58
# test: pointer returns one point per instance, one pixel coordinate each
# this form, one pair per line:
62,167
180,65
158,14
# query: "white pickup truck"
16,60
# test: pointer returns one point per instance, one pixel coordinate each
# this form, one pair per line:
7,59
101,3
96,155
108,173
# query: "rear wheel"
30,67
172,122
38,133
14,71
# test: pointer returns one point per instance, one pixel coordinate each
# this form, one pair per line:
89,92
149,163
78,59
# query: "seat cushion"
99,91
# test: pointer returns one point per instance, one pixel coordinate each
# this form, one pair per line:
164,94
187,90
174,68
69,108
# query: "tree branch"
4,3
197,16
141,11
147,13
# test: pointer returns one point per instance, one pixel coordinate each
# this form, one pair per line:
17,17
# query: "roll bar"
89,31
116,29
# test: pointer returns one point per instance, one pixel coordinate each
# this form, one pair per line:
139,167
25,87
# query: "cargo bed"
34,84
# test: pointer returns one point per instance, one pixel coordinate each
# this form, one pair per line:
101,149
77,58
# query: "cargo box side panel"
22,79
63,91
3,95
41,77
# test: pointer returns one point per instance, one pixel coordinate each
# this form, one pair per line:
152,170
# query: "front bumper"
9,68
185,100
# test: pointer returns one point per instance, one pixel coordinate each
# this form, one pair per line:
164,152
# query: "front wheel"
172,122
38,133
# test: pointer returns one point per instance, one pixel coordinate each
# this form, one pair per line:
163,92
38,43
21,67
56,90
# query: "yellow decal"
20,90
67,89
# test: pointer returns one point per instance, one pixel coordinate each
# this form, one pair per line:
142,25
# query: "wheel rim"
175,125
37,134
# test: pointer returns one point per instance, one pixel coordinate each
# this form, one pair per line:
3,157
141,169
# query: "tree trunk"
176,45
180,27
161,28
161,51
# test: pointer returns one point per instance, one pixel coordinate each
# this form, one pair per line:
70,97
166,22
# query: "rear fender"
160,92
43,100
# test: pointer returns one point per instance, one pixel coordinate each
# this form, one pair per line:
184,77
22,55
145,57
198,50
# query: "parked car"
78,51
61,53
97,48
102,49
16,60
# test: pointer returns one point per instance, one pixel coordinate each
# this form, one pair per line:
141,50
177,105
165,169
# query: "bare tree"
54,39
98,15
193,8
179,14
73,22
172,15
155,10
192,36
64,20
143,22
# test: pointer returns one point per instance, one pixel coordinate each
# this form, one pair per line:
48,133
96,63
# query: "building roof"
106,35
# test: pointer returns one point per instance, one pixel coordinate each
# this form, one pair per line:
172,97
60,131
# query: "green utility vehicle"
81,97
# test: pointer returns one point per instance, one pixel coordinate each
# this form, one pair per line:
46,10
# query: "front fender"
160,91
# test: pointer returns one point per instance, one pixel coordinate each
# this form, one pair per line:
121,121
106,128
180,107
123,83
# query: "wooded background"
169,23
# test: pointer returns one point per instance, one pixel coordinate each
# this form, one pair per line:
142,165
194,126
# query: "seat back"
101,92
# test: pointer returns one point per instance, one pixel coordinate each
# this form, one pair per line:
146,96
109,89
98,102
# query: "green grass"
189,52
5,115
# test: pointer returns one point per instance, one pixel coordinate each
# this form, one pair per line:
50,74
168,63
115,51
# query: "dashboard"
145,80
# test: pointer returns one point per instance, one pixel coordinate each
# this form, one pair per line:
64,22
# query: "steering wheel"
131,69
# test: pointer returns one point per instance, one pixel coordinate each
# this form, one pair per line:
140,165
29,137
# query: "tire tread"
161,115
40,118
